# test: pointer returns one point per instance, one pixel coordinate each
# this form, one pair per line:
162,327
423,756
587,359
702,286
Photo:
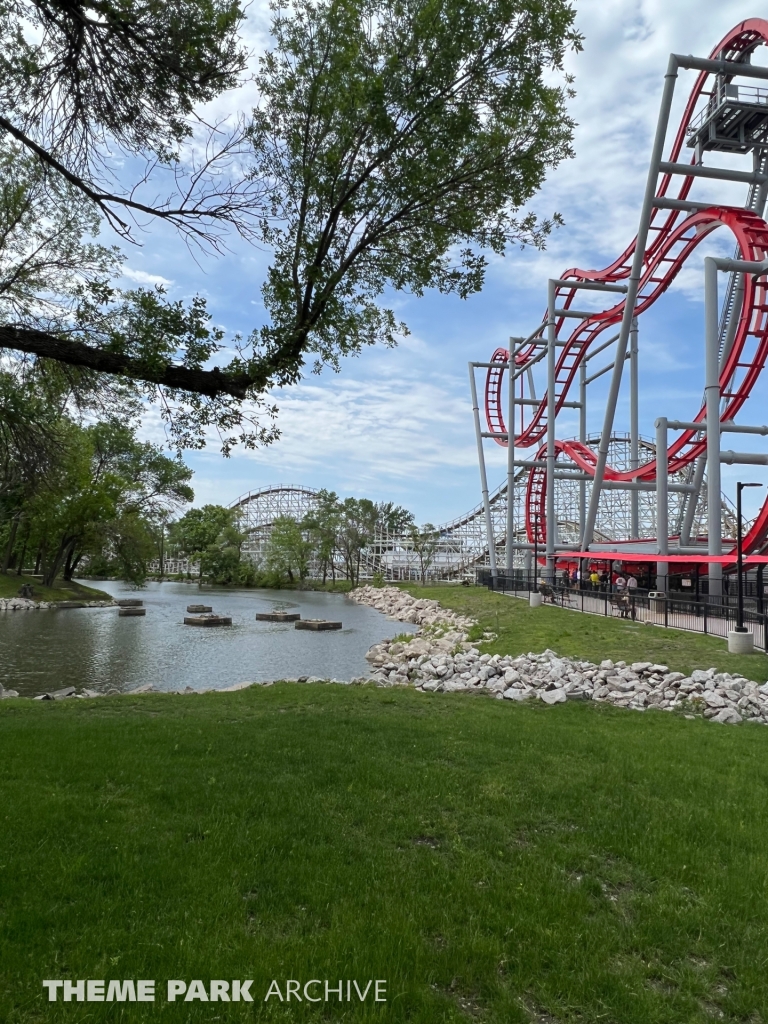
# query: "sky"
396,425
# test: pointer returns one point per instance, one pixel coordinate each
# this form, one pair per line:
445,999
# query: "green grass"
494,863
62,590
521,628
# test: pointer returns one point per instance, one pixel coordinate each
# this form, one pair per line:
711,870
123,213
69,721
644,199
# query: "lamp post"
739,558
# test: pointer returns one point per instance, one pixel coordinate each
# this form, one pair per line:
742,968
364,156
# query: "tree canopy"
396,143
83,83
99,492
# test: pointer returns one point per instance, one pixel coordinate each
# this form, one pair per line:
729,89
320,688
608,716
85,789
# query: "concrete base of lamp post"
741,641
534,600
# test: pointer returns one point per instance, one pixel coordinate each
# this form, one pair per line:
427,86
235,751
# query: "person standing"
631,592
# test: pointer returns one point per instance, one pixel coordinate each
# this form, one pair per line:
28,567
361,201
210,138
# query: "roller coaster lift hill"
670,486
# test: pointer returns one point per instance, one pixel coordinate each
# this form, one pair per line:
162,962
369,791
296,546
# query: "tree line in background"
76,492
333,539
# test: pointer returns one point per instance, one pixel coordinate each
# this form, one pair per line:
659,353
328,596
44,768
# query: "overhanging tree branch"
211,383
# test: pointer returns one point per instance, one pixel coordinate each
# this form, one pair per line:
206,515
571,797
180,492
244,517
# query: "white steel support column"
633,286
510,546
583,439
662,503
483,476
712,400
551,357
634,430
692,500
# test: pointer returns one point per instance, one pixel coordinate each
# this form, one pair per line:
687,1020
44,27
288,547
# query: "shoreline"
441,658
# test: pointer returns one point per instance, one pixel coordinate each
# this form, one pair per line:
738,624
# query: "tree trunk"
51,571
20,569
69,564
10,544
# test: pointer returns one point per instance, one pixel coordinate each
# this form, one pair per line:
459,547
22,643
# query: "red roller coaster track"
673,238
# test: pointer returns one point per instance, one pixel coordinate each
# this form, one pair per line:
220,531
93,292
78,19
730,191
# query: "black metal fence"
713,616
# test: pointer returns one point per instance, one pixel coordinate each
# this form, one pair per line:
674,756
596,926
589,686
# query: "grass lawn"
521,628
494,863
62,590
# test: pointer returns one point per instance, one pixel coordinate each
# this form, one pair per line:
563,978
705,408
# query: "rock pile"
440,658
401,606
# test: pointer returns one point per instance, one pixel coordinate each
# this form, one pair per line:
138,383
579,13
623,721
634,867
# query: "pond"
97,649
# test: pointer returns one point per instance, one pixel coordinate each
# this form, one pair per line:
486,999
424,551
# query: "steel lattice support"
720,117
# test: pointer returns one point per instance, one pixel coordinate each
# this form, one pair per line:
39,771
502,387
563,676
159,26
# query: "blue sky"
397,424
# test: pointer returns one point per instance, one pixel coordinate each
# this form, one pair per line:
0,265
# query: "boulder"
727,717
554,696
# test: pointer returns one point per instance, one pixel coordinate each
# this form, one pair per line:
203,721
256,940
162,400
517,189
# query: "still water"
95,648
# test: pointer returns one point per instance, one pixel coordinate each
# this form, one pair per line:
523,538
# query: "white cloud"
142,277
366,429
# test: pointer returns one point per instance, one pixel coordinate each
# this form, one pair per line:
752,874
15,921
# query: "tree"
86,87
322,525
103,499
288,551
77,500
222,560
424,541
89,94
395,144
198,529
55,283
404,139
358,526
32,443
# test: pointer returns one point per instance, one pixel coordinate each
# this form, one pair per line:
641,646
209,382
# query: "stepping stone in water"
129,602
131,611
277,616
207,620
317,625
199,608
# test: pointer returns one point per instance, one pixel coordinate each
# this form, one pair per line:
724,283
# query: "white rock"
554,696
727,717
714,700
513,694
